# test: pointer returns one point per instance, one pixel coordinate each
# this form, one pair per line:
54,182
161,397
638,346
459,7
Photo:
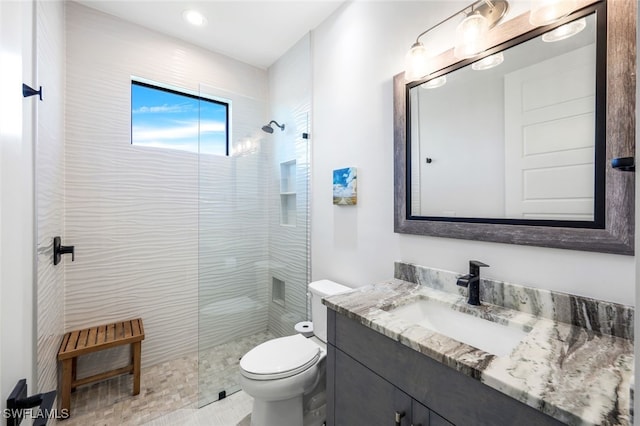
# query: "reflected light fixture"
565,31
435,83
194,17
488,62
480,16
545,12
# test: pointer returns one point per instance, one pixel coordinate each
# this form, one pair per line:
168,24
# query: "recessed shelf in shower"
277,291
288,207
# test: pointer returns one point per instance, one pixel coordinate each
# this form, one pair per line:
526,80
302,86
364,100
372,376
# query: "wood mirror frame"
618,234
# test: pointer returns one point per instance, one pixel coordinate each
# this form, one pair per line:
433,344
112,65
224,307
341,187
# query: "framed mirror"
521,152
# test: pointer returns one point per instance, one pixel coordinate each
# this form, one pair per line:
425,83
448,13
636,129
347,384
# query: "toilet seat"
280,358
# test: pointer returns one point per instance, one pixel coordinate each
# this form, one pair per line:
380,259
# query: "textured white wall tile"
132,212
290,103
49,188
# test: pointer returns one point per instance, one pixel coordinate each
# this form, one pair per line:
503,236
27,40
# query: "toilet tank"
317,291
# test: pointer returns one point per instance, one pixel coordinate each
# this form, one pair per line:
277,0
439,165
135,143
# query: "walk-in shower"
253,243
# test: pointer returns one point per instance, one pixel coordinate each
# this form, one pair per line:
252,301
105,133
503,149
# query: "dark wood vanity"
371,377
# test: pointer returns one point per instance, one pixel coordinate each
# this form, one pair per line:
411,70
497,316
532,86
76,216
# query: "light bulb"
565,31
545,12
435,83
416,62
471,36
488,62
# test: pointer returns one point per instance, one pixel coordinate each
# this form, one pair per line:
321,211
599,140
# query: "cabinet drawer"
422,416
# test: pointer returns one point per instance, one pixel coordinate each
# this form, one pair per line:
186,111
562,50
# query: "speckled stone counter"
580,375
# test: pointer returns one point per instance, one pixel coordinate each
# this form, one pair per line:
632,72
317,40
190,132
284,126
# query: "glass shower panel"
245,252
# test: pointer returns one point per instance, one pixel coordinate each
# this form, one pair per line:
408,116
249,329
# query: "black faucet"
472,281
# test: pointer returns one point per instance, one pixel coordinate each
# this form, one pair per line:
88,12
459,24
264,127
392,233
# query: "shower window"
171,118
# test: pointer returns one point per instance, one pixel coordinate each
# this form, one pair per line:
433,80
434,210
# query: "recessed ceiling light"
194,17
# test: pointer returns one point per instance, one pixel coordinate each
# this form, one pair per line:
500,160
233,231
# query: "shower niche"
288,207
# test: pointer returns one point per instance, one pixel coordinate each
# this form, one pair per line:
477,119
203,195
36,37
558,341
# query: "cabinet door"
362,398
422,416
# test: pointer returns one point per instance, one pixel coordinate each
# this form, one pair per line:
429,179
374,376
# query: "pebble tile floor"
169,392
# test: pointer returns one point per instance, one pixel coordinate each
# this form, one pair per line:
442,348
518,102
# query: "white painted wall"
16,197
356,53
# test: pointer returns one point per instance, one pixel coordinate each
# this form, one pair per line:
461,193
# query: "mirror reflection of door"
550,135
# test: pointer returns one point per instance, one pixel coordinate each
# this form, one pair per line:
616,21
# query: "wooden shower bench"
94,339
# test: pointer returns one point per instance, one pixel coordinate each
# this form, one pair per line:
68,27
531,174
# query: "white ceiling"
256,32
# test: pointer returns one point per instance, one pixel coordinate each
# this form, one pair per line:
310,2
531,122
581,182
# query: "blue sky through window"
164,118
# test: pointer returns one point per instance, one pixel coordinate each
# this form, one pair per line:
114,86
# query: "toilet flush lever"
59,250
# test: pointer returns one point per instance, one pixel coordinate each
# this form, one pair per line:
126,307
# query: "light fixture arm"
475,6
472,6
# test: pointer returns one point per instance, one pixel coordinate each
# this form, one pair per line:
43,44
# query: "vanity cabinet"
370,377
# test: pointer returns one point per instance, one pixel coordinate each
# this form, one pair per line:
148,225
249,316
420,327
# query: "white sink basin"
492,337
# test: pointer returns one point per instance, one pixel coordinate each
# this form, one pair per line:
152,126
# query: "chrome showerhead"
267,127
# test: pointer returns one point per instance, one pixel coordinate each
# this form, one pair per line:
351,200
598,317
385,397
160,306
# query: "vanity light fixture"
545,12
435,82
194,17
488,62
480,16
471,36
565,31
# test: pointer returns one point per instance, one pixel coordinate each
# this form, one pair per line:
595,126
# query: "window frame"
150,84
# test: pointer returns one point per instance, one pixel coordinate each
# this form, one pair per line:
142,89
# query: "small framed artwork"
345,187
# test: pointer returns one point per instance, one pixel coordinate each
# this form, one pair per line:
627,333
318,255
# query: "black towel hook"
59,250
29,91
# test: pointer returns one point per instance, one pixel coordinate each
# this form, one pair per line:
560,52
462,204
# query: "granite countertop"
574,374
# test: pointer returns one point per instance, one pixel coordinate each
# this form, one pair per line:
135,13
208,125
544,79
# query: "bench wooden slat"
102,334
93,334
111,333
73,340
135,327
127,329
82,339
65,341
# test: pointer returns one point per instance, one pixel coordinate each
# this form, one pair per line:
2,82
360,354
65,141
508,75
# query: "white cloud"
189,130
163,109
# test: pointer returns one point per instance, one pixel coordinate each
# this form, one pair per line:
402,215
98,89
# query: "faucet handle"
474,267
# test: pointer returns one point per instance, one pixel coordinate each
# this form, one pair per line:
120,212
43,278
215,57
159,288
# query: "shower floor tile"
219,366
170,390
164,388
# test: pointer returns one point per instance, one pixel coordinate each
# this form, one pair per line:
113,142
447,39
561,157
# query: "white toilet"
286,376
